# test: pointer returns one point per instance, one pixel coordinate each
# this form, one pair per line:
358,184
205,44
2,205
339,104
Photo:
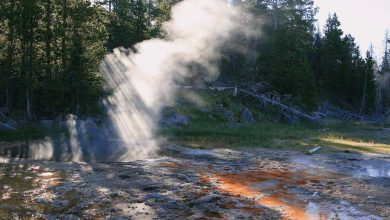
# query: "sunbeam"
143,80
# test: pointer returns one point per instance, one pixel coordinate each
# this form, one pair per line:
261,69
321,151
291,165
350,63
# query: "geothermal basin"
191,183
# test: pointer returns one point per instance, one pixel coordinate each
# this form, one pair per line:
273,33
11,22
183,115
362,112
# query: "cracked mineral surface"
200,184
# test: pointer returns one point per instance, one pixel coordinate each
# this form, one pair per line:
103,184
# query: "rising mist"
143,81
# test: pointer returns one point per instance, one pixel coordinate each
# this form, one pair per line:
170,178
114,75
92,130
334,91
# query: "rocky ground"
200,184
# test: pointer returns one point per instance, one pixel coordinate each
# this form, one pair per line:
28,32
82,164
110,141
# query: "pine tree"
284,53
333,59
369,86
344,72
315,59
139,20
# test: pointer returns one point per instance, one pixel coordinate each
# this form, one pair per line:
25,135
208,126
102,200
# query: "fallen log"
283,107
7,126
314,150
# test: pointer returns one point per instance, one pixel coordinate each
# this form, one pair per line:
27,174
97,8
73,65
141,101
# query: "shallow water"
353,164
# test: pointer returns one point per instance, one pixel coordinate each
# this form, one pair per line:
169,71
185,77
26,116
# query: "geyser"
143,80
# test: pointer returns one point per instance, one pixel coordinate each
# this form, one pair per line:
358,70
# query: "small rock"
228,116
61,203
182,120
71,217
12,123
247,115
153,196
118,193
170,118
43,200
324,130
124,176
75,209
91,213
6,126
115,210
46,174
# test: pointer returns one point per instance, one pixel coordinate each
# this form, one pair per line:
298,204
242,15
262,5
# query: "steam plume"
143,81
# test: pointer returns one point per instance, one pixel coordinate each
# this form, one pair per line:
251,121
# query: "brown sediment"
278,197
290,211
171,165
323,216
184,213
251,208
227,205
214,215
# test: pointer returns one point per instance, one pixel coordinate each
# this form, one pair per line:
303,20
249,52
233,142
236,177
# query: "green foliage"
298,61
50,52
51,56
30,132
343,74
284,53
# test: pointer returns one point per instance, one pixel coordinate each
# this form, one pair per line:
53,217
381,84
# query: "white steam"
143,81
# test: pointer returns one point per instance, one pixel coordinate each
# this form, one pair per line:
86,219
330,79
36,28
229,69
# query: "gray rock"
75,209
12,123
228,116
90,213
115,210
61,203
211,117
247,115
5,126
115,218
170,118
181,120
43,200
71,217
155,196
47,217
119,193
168,112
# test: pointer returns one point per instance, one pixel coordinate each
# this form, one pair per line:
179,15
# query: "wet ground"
201,184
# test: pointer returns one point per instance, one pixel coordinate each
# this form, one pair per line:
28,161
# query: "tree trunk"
64,26
48,39
27,58
10,53
363,104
